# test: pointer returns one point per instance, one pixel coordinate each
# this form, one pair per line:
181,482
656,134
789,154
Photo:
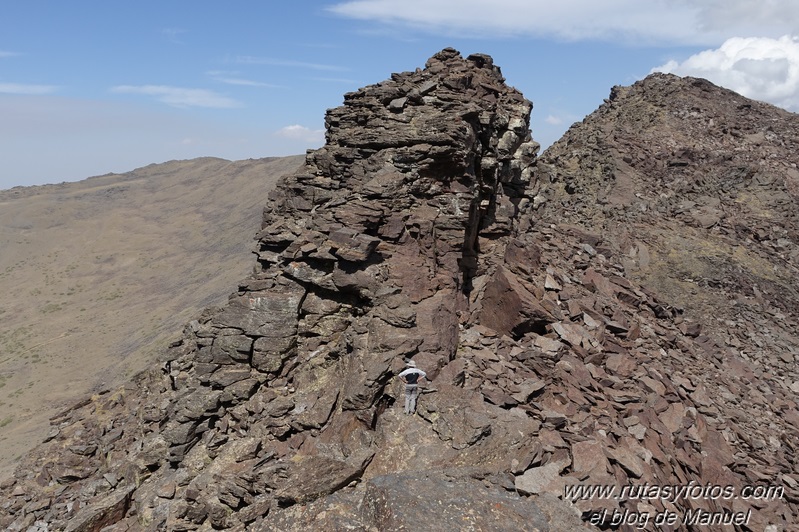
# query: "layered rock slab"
366,257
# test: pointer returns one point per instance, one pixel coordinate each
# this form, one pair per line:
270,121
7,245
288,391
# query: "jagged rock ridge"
420,230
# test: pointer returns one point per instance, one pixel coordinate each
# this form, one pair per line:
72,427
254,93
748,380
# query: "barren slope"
96,275
693,190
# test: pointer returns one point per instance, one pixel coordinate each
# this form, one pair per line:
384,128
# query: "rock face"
427,229
689,192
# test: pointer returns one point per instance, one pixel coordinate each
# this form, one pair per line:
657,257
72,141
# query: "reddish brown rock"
508,307
616,312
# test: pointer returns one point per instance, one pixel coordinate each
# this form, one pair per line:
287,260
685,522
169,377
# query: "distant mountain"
96,276
617,314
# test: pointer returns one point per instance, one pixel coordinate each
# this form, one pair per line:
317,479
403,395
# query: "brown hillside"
692,191
96,275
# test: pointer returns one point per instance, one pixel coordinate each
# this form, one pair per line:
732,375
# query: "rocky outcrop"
426,229
368,256
689,192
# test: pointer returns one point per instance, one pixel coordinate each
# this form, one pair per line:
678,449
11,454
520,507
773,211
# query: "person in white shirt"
411,376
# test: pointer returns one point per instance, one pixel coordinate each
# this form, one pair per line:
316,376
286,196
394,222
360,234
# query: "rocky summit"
618,314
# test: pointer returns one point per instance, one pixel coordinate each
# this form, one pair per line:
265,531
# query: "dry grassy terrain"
97,276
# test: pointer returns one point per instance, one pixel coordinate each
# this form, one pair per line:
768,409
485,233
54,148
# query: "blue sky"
91,87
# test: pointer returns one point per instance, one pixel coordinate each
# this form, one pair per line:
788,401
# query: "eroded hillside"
542,297
97,276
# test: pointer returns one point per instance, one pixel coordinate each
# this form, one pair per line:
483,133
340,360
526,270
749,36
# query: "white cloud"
303,134
553,120
179,96
21,88
5,53
759,68
233,78
690,22
250,60
247,82
766,18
